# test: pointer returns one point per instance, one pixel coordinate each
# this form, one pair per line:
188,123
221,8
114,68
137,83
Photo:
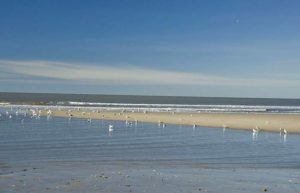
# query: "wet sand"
265,122
99,177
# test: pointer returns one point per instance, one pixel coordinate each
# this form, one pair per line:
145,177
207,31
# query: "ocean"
175,103
25,138
56,154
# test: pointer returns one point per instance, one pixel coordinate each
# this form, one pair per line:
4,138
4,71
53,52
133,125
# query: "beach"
98,177
63,153
261,121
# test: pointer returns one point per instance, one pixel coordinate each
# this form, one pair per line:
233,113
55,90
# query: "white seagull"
284,131
159,122
110,128
255,130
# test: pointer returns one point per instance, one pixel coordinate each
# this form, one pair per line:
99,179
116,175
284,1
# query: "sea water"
53,154
157,103
26,139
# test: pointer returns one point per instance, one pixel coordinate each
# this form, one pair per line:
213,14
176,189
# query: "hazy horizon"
141,95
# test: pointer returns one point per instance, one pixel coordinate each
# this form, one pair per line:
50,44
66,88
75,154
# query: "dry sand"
265,122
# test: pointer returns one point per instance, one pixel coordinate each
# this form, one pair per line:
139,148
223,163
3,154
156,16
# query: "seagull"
70,116
255,130
255,133
110,128
49,112
160,123
194,126
33,113
224,128
284,131
10,116
136,121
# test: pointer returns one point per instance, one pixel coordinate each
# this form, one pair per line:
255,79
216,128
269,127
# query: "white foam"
128,107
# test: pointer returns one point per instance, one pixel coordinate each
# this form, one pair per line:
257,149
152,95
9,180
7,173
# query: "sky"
214,48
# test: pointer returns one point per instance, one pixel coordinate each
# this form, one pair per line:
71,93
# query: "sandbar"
248,121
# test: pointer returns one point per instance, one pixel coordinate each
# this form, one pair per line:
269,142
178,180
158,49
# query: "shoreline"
245,121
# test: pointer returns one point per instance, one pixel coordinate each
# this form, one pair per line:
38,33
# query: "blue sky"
191,48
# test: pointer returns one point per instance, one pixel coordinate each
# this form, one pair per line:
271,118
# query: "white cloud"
130,75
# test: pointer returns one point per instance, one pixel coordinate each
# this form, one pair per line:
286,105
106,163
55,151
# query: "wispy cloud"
105,74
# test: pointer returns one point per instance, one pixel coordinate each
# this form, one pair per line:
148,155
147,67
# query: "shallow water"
177,151
63,139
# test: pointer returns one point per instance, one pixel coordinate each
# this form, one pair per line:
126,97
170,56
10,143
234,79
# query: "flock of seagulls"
281,130
35,113
256,130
